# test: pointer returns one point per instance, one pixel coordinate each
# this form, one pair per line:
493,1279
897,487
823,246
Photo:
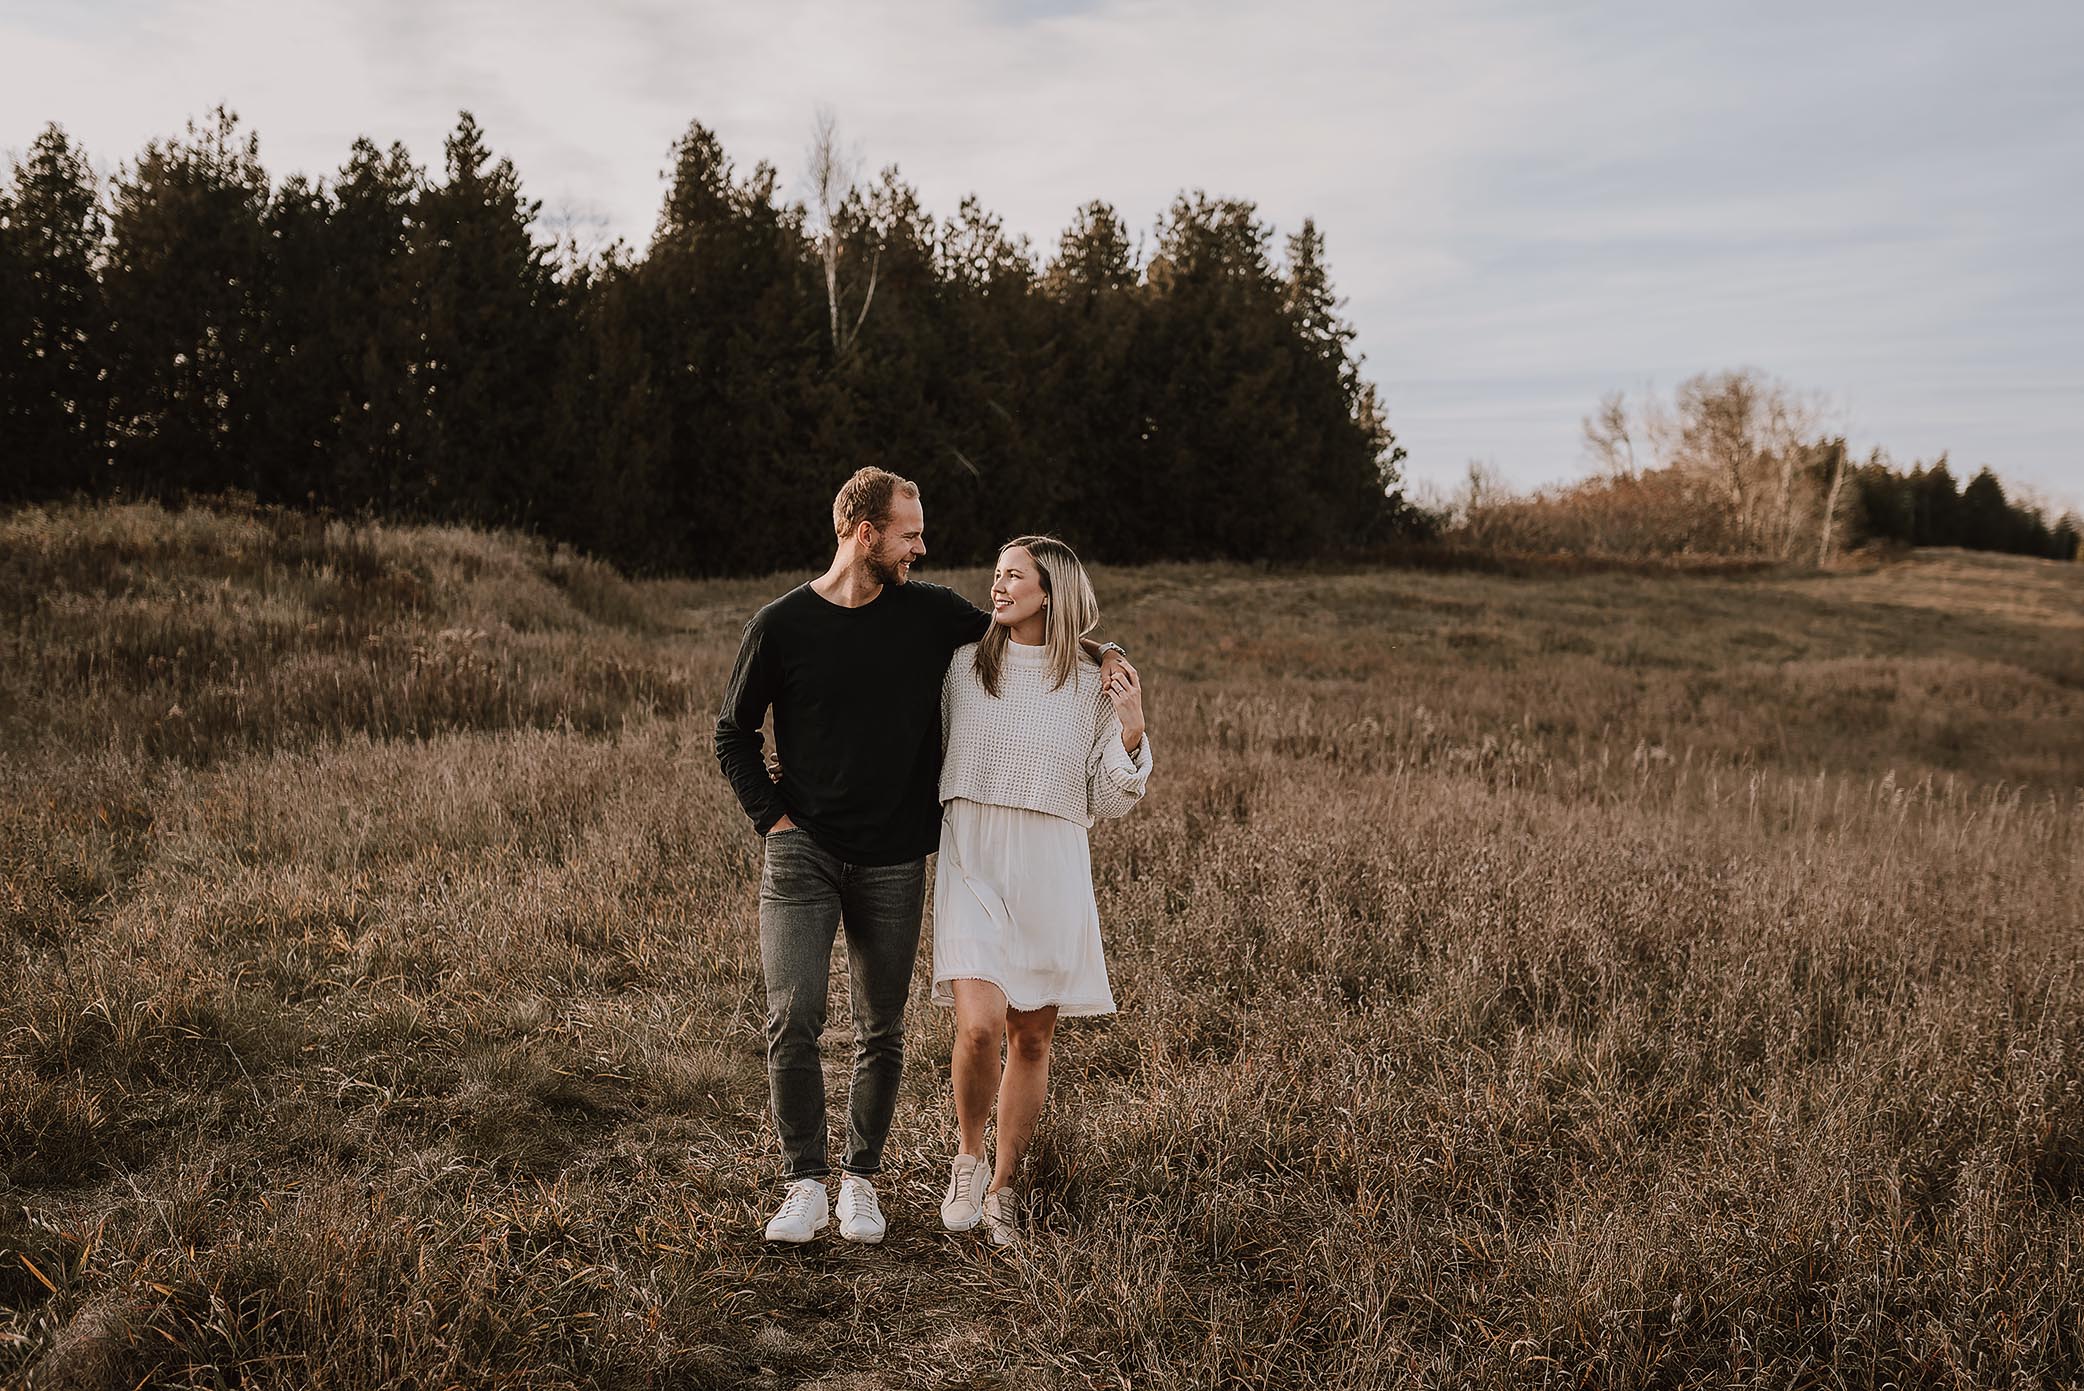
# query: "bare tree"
1792,424
1830,511
833,171
1717,433
1471,506
1751,433
1607,437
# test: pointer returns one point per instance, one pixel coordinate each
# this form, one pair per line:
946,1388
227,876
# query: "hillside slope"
1612,982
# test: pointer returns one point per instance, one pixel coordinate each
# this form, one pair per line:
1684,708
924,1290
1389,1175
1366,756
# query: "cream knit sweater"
1056,751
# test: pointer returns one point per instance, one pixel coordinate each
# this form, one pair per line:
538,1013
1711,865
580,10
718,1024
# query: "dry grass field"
1611,981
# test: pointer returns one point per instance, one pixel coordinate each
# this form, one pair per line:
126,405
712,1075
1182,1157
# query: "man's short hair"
866,498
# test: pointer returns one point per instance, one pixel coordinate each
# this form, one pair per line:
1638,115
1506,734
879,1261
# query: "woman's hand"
1125,688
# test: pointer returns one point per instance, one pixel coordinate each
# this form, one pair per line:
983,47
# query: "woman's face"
1016,588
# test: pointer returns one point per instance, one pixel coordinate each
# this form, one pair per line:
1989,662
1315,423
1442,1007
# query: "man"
851,664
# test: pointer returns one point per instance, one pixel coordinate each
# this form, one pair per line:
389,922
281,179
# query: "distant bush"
1734,466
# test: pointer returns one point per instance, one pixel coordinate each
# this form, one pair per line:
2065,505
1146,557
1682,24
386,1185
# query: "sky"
1525,205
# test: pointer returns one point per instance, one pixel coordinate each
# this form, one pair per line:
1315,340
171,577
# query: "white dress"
1013,890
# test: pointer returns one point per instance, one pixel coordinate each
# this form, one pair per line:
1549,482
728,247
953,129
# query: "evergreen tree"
733,322
373,356
1198,484
492,317
607,434
1090,386
1309,300
890,392
1351,468
187,295
291,440
1093,257
1261,439
1885,503
1935,505
2063,539
53,404
984,386
1984,517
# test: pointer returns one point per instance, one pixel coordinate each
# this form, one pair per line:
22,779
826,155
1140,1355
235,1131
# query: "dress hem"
1066,1009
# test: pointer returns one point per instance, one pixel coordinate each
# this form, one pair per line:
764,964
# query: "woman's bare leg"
1024,1086
980,1022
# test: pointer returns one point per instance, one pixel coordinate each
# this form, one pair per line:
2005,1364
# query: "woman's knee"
1029,1040
977,1035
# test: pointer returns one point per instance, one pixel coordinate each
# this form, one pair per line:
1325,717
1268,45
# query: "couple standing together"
869,675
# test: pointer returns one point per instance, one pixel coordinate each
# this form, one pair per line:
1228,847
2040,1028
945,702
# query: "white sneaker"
860,1216
963,1208
1002,1216
805,1211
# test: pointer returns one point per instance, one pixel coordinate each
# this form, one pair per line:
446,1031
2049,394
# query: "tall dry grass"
1612,981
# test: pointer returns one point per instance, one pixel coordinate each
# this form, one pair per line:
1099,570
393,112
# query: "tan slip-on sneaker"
963,1208
1002,1216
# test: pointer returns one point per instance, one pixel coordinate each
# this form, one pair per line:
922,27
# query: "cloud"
1526,204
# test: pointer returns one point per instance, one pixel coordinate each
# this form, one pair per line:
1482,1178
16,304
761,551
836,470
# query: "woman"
1038,745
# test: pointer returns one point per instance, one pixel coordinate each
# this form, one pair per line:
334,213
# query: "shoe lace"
966,1179
864,1198
798,1203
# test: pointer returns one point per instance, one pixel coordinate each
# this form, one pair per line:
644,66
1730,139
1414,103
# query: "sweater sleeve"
1115,781
948,681
738,742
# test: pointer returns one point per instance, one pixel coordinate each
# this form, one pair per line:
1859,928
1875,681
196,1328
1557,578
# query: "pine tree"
491,316
1936,503
1220,425
2063,539
374,356
1093,257
1985,517
292,428
1349,459
53,322
733,321
187,295
890,404
992,481
1090,393
1886,503
607,432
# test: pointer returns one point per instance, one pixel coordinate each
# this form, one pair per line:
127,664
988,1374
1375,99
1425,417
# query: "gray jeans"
806,893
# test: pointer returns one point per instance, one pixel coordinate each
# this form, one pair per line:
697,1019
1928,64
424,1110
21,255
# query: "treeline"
385,342
1926,507
1736,464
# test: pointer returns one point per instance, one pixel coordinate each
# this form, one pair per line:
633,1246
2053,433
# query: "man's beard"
886,568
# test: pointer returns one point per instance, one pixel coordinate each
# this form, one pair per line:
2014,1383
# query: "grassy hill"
1607,981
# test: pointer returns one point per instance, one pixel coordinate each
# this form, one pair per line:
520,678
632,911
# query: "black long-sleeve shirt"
856,695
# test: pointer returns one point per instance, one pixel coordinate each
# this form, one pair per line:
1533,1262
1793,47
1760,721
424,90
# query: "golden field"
1620,980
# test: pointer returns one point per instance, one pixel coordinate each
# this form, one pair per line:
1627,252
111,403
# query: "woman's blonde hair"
1072,612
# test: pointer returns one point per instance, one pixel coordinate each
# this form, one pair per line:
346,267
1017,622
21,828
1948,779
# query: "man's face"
899,542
